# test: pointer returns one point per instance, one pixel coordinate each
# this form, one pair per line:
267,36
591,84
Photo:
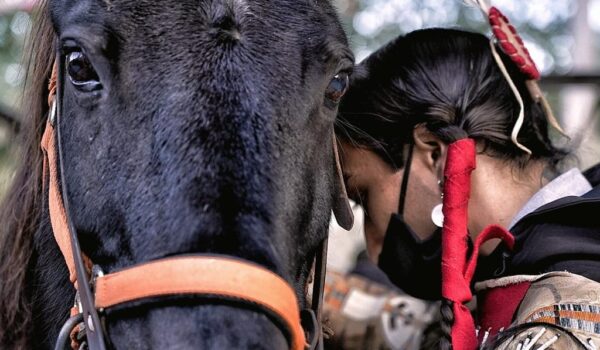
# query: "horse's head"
199,127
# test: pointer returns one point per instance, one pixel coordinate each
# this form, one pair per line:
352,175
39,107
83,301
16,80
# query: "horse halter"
216,277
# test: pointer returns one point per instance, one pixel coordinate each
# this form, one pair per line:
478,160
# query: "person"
408,102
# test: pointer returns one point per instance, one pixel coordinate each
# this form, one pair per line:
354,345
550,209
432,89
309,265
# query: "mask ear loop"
405,176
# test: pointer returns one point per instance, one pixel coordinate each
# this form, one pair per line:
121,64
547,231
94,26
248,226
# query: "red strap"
58,217
217,276
490,232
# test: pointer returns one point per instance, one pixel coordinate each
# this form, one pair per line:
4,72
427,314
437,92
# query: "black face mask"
415,266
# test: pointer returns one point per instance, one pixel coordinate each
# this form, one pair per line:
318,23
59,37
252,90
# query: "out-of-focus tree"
580,102
13,29
14,26
544,24
551,28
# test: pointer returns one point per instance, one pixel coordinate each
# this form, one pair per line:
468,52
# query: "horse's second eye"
81,72
337,88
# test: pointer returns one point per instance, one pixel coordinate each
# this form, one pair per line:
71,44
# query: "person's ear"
431,149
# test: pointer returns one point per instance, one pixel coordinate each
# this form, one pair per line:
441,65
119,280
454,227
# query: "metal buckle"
52,115
77,303
96,272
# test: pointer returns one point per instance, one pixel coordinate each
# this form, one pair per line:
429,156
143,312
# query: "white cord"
513,87
547,344
535,339
485,336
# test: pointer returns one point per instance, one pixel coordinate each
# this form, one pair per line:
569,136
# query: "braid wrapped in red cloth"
455,288
457,268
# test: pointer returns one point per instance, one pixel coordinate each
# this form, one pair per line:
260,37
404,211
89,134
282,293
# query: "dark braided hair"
448,81
446,323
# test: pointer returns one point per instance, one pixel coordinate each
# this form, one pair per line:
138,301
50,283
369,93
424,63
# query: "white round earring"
437,214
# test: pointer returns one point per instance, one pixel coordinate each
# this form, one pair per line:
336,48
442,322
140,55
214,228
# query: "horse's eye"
81,72
337,88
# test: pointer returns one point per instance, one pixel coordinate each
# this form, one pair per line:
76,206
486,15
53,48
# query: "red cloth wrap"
457,268
497,306
455,287
490,232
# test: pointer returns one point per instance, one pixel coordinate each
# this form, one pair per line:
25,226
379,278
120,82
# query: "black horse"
189,126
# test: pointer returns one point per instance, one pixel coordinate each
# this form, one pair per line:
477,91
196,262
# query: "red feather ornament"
512,44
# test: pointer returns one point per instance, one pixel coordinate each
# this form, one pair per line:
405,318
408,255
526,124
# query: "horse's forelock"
20,208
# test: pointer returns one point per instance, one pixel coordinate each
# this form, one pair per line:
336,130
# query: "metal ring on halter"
64,337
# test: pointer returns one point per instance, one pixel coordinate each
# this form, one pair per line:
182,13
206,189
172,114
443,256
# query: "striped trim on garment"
580,317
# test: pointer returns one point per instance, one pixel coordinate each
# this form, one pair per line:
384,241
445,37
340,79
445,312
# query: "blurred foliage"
7,157
544,24
13,29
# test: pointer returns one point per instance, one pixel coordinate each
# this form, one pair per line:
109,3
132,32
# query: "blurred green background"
562,35
14,26
548,26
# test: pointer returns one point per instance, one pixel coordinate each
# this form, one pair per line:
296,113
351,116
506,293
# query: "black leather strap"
94,331
312,328
319,288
